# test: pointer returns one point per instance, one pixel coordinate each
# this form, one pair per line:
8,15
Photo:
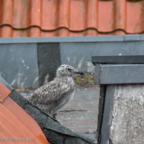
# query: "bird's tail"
27,97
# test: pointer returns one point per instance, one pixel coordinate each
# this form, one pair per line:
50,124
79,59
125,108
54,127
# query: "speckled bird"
54,95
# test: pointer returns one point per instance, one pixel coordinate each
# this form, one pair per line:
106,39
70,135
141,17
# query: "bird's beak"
81,73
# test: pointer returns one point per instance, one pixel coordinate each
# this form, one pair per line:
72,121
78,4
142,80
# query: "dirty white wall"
127,123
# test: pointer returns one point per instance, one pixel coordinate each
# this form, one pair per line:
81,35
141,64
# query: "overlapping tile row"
43,18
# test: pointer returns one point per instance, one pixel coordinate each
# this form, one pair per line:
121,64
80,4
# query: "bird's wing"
50,92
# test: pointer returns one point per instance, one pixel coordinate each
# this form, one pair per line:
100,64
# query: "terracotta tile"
135,14
47,18
15,124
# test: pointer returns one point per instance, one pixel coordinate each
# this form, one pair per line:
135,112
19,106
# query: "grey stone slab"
48,61
18,64
120,74
79,54
135,37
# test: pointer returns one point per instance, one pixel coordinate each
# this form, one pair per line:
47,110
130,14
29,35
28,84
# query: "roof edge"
136,37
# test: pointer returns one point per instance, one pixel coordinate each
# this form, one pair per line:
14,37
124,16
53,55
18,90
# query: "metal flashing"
132,37
71,39
60,39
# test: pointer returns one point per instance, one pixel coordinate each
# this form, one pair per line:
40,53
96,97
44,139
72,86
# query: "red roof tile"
15,124
42,18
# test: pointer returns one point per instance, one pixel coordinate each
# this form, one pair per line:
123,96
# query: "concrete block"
48,61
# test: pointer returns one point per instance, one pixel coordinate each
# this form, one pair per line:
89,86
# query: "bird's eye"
69,69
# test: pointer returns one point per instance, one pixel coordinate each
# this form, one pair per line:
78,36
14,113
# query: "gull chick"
52,96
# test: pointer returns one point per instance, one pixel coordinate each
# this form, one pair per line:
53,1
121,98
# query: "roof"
44,18
15,124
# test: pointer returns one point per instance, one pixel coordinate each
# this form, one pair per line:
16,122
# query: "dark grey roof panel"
124,59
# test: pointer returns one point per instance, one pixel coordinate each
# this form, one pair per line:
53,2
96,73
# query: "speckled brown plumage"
52,96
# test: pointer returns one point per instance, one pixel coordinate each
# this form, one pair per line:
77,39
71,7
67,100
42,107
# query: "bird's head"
66,70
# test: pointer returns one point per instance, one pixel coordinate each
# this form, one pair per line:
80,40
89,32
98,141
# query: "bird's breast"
70,82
